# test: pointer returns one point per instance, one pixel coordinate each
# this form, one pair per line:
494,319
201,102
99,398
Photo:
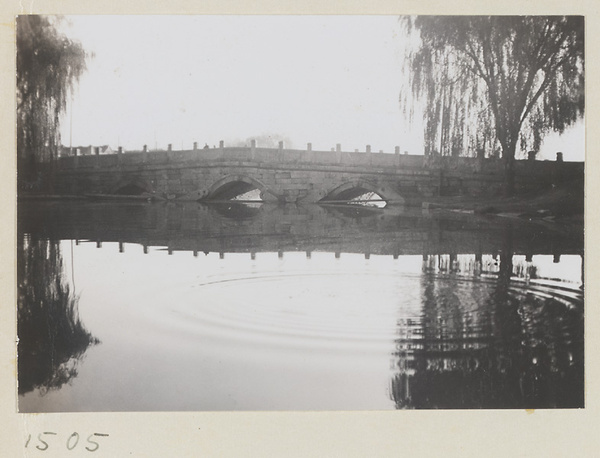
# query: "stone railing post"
195,146
221,145
338,153
252,148
368,148
96,152
169,151
309,147
145,153
557,174
280,147
397,150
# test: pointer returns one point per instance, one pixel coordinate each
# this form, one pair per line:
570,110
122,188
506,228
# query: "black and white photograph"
250,213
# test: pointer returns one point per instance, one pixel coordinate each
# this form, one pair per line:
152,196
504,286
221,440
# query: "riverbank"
563,203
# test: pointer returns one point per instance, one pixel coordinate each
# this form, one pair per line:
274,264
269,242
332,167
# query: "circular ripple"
335,309
331,308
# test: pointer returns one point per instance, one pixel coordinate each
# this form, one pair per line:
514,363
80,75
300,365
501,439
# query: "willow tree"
52,338
48,66
488,82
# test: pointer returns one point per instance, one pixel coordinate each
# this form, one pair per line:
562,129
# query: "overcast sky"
178,79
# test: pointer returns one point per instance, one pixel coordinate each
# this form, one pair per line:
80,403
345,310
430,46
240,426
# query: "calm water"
167,307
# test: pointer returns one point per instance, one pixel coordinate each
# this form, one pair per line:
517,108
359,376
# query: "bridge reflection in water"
489,321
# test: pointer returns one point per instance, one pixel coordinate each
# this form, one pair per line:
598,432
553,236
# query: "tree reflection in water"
489,344
52,339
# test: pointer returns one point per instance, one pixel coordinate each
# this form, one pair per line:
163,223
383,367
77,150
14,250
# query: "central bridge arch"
355,188
231,186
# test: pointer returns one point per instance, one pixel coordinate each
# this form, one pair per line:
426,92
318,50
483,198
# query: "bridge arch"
355,188
232,186
132,187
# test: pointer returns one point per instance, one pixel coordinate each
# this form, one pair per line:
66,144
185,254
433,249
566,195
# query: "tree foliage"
494,81
48,66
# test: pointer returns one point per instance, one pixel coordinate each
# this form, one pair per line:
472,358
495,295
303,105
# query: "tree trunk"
508,154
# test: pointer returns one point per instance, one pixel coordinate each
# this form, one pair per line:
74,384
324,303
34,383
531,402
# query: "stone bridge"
286,175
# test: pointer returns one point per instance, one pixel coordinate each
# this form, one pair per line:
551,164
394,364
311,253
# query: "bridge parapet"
294,156
243,154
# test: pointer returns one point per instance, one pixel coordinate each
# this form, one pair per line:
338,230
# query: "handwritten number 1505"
71,443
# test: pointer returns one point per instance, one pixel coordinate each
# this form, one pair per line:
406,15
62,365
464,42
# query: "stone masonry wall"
295,175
